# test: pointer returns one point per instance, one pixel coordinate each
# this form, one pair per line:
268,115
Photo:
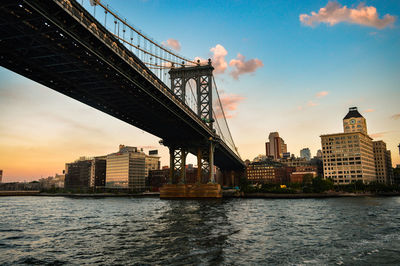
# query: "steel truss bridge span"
59,44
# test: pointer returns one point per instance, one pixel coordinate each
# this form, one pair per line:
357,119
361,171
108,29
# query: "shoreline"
227,194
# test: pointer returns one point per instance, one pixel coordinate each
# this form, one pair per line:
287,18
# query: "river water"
137,231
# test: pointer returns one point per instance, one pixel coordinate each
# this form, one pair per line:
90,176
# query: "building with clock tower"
353,155
354,122
349,156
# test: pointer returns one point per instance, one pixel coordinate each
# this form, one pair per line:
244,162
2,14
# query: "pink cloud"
333,13
172,43
242,66
369,110
396,116
311,103
218,59
322,94
230,103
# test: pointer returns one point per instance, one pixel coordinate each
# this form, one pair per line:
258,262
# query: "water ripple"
74,231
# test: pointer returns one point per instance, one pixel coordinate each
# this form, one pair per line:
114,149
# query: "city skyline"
300,83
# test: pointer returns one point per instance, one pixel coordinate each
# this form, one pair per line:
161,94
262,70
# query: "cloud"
241,66
311,103
172,43
322,94
230,103
333,13
396,116
218,59
369,110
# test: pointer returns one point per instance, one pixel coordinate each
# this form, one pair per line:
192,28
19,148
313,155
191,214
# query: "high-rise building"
305,153
276,146
383,163
77,174
354,122
152,162
98,172
126,169
349,156
319,154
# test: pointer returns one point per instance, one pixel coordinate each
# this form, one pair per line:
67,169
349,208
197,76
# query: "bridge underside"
41,41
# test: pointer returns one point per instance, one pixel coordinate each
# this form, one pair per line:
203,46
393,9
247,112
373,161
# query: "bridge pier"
205,185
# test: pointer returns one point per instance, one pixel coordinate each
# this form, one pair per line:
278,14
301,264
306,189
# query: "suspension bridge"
97,57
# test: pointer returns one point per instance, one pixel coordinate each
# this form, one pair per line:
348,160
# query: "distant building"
157,178
383,163
349,156
319,154
305,153
260,158
268,171
126,169
152,162
286,155
396,174
295,161
52,182
98,172
276,146
318,163
77,174
1,176
300,171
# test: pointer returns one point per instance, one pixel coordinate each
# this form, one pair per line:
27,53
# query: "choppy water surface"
57,230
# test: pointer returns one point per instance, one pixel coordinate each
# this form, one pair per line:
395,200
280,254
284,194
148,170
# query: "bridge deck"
64,48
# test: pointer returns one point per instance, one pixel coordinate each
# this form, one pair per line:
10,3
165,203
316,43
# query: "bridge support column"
177,161
211,162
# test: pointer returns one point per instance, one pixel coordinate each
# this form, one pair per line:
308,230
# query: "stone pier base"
188,191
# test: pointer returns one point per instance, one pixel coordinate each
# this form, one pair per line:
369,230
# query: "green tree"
320,185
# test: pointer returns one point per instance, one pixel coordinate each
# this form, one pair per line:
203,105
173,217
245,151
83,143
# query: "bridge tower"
180,77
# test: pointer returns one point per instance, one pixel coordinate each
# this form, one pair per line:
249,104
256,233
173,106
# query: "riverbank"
226,194
312,195
79,195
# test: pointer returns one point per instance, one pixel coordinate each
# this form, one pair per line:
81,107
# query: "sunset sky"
289,66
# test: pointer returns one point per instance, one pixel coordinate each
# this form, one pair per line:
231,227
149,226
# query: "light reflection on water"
57,230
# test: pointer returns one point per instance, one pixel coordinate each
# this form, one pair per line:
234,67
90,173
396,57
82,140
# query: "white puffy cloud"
333,13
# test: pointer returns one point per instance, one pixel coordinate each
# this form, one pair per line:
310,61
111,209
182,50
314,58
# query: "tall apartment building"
349,156
126,169
383,163
98,172
305,153
152,162
85,173
276,146
77,174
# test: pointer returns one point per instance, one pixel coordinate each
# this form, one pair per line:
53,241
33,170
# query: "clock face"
352,121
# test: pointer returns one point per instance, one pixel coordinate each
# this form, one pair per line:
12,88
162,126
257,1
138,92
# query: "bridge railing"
156,56
120,46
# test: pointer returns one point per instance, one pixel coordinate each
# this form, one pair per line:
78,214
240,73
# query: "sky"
289,66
